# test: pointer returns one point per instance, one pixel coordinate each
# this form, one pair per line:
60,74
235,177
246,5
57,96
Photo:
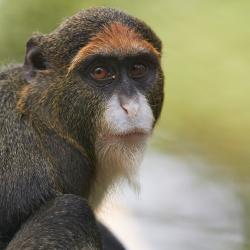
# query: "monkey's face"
111,90
123,84
124,71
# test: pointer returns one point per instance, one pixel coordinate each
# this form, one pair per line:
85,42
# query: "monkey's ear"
34,61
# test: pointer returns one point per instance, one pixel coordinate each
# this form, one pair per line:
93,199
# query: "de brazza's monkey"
74,120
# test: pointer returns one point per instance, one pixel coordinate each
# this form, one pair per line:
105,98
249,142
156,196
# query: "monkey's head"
97,78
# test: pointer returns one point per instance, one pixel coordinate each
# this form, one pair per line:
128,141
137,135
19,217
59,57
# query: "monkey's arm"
66,222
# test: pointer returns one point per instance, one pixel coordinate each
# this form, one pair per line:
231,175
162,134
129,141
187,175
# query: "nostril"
131,108
125,107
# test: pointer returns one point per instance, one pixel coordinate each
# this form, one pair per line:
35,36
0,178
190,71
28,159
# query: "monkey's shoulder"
25,182
11,81
10,73
33,168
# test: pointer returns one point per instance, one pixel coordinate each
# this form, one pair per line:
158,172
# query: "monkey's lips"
132,136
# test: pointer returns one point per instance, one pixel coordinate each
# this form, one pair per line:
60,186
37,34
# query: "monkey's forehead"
114,39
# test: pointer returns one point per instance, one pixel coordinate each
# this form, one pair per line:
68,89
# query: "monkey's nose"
130,105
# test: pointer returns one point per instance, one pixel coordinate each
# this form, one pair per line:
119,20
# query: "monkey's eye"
101,73
138,70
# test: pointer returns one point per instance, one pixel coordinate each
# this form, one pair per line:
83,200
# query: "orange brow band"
114,38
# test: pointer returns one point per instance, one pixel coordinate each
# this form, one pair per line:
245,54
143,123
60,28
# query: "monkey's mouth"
127,136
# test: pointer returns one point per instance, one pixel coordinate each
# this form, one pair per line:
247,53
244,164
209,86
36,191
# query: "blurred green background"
206,62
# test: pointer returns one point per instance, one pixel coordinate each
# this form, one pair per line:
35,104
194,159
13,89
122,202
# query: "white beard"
117,158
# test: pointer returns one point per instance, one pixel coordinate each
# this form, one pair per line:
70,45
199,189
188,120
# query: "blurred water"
180,207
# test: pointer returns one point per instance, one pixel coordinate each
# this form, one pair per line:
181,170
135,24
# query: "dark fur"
47,133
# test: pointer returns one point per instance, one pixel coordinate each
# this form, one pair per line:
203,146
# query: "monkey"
75,119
